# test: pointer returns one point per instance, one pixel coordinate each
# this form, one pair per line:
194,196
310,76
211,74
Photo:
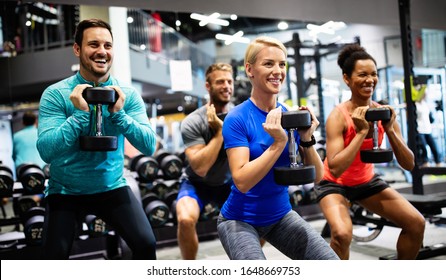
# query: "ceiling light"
282,25
229,39
329,27
214,18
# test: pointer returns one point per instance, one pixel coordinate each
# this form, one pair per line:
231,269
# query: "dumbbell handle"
292,148
375,135
98,119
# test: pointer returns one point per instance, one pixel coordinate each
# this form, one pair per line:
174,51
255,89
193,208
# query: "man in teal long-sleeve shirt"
89,181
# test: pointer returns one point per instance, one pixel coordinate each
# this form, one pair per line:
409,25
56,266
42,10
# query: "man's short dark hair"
88,23
29,118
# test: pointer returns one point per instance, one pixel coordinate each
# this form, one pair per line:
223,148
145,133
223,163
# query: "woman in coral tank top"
347,178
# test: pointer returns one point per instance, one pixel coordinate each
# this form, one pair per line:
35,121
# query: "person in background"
256,143
92,182
24,149
424,129
347,179
207,176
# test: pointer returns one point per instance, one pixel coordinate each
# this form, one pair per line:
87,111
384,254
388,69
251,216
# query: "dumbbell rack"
12,243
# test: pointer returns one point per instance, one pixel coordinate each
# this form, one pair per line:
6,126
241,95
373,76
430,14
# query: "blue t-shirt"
24,147
74,171
267,202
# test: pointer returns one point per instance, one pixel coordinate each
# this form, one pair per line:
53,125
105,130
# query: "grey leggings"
292,236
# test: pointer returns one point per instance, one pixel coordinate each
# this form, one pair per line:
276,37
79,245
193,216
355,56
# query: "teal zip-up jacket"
78,172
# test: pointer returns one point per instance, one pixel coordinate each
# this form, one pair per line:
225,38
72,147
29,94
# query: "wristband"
309,143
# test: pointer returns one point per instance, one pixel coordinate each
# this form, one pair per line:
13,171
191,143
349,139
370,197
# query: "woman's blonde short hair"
258,44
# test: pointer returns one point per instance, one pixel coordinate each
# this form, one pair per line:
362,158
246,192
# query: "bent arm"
339,158
202,157
133,122
403,154
311,157
246,174
57,134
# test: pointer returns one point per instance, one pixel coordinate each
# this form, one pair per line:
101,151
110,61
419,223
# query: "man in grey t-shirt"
208,177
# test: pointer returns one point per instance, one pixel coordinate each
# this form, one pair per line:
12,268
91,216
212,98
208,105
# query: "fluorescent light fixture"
282,25
328,28
213,18
229,39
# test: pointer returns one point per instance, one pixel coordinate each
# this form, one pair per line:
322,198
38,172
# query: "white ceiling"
424,13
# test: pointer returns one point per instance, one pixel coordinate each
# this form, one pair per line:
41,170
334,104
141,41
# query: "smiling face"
268,72
363,80
95,54
220,86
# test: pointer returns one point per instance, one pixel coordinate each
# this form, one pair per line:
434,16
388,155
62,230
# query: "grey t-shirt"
195,130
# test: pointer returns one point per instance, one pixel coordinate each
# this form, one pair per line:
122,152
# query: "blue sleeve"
234,131
133,122
57,134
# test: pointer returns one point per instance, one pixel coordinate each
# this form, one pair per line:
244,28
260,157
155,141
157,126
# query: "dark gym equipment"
23,203
377,155
97,140
6,181
162,187
171,165
170,197
32,178
46,171
296,173
96,226
210,211
33,225
146,167
156,210
296,194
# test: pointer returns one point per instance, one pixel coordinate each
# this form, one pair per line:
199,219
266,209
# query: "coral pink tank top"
358,172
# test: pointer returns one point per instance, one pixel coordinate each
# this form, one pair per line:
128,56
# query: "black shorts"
374,186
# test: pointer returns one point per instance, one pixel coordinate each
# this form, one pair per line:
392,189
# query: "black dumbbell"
296,173
210,211
170,197
171,165
146,167
296,194
161,187
22,204
96,226
32,222
182,156
97,140
376,154
32,178
321,149
46,171
6,181
156,210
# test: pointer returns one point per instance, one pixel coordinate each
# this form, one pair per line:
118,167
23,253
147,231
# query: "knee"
416,226
341,236
186,223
